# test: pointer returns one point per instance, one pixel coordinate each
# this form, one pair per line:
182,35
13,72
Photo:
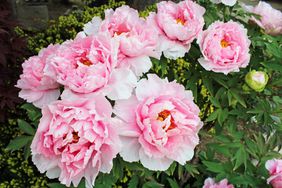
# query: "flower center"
163,115
224,43
75,137
180,21
85,61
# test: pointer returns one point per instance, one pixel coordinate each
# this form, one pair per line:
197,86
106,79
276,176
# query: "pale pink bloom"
225,47
178,25
36,87
138,39
226,2
89,64
274,168
210,183
160,124
270,20
76,138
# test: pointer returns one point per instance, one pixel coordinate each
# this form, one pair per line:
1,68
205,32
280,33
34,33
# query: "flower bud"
256,80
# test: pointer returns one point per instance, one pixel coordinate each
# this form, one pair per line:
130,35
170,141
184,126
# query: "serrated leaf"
238,97
240,158
26,127
172,183
19,142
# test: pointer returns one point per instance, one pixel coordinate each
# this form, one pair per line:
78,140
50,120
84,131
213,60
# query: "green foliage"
66,27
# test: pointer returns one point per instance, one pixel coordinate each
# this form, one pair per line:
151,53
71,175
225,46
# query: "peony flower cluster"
98,100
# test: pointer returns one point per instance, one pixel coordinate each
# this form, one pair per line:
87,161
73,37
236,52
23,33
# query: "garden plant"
184,94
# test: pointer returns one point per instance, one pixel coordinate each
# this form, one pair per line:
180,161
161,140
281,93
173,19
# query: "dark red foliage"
12,51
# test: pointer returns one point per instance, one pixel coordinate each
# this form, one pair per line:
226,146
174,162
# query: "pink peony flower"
89,64
274,168
138,39
160,124
178,25
225,47
225,2
271,19
36,87
76,138
210,183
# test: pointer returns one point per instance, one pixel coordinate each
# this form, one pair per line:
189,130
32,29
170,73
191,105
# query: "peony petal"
152,163
130,149
121,84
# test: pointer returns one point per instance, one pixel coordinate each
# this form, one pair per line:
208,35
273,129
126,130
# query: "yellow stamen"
75,137
180,21
85,61
224,43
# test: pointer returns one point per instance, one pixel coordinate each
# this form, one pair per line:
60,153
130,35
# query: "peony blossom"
36,87
256,80
270,20
225,47
76,138
89,64
274,168
225,2
160,124
210,183
138,39
178,25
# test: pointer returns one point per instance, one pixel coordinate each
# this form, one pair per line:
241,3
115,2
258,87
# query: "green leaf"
172,183
229,96
27,150
133,183
191,169
214,166
273,66
240,158
222,116
208,84
215,102
212,116
56,185
238,97
274,49
32,112
171,169
152,184
19,142
221,82
26,127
